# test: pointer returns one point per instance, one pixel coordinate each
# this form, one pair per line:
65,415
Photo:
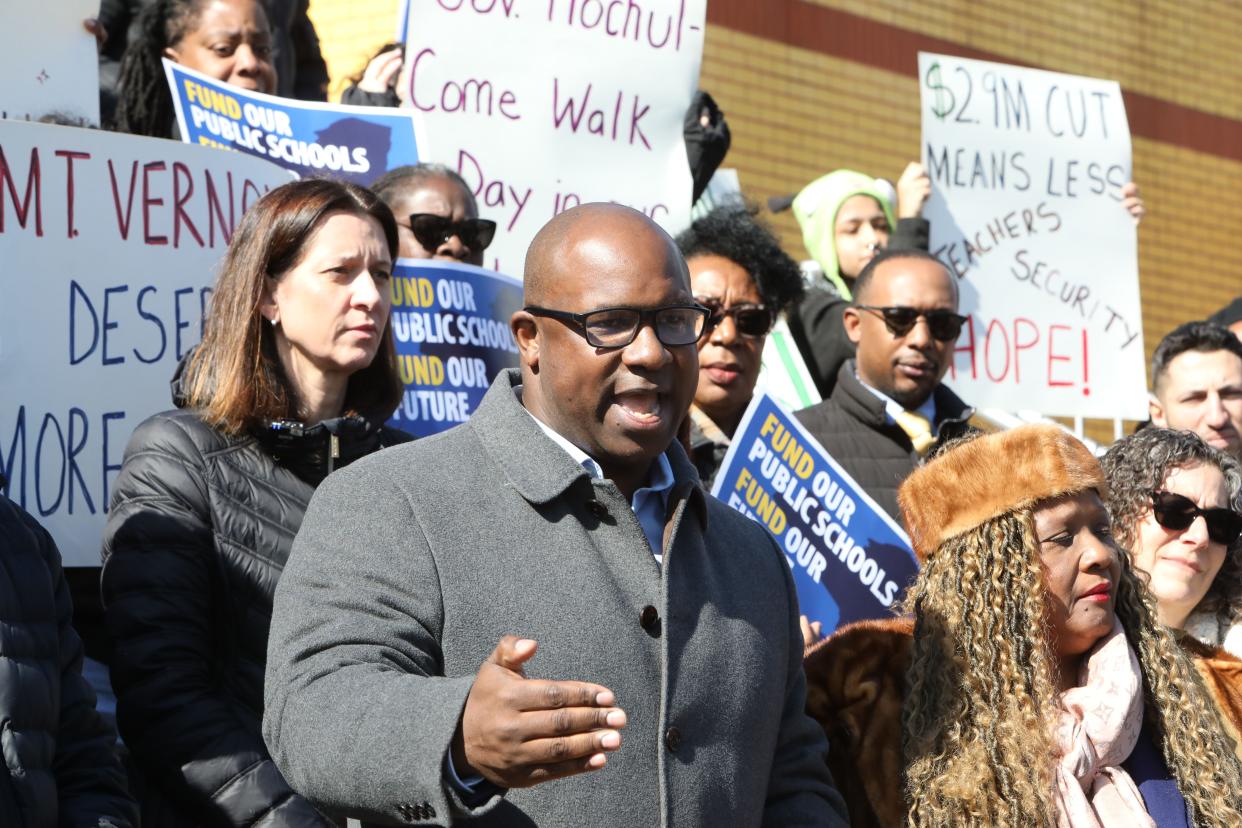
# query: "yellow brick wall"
1178,50
350,31
796,114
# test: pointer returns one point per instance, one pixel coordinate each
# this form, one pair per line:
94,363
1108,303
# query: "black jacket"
853,426
58,764
353,96
199,529
816,323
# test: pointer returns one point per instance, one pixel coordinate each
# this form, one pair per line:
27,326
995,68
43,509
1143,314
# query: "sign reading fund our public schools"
542,105
450,322
314,140
850,560
1027,170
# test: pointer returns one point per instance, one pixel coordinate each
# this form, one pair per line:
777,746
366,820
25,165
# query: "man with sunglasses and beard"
539,617
889,409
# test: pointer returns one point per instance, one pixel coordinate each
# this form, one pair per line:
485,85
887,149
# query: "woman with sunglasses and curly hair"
739,272
1175,504
1032,684
437,216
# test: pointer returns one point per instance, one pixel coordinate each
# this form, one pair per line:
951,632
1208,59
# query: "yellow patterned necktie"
918,429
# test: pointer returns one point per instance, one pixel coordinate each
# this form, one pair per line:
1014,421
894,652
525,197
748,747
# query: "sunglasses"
1176,513
432,231
674,325
944,325
752,321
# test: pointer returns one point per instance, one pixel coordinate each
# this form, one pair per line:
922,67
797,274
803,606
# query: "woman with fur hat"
1031,684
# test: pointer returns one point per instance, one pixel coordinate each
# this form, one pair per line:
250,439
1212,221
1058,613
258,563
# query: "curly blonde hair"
982,690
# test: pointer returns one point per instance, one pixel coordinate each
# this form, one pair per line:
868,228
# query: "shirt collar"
660,479
893,408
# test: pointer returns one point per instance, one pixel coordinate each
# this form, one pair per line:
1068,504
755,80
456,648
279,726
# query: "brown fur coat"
855,689
1222,673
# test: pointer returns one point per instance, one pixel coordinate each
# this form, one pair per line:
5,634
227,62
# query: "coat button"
672,739
596,508
649,618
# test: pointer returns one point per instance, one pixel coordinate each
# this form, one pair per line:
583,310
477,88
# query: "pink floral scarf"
1095,732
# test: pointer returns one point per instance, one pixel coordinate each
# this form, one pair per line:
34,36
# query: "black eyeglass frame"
719,313
933,320
1224,533
645,316
475,233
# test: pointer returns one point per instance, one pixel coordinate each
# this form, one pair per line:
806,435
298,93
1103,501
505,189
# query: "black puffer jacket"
854,428
58,765
199,530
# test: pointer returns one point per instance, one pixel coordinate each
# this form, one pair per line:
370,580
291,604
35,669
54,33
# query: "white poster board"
49,61
545,104
108,249
1027,169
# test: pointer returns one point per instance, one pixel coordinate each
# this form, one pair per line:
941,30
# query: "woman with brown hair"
1032,685
295,376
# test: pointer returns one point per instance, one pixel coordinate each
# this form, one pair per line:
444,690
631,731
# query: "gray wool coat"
413,562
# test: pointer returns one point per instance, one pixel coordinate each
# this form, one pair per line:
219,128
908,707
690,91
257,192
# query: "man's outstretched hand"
517,732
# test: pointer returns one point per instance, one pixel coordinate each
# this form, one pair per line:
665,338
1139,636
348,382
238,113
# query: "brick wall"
350,31
812,86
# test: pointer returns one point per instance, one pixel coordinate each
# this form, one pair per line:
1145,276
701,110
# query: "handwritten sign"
49,62
542,105
850,560
1027,169
108,249
314,140
451,326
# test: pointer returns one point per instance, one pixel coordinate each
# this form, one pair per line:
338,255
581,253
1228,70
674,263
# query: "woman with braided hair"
230,40
1031,684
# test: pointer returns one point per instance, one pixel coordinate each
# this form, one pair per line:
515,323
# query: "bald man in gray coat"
539,617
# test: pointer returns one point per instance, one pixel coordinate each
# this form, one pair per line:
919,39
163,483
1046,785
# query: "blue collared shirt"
649,503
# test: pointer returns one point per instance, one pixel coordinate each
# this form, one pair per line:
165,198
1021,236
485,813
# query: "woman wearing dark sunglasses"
739,272
1174,502
437,216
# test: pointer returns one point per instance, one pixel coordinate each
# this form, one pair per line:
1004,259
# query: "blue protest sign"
850,560
451,325
315,140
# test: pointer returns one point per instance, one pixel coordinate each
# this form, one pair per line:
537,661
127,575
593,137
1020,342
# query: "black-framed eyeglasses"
751,320
674,325
900,320
1176,512
433,230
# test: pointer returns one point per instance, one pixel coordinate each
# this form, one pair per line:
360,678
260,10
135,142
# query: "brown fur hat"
988,476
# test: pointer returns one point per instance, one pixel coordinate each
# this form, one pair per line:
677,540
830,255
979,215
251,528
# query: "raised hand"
381,71
1132,201
913,190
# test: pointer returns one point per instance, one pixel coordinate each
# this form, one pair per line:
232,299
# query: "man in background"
1196,384
888,408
